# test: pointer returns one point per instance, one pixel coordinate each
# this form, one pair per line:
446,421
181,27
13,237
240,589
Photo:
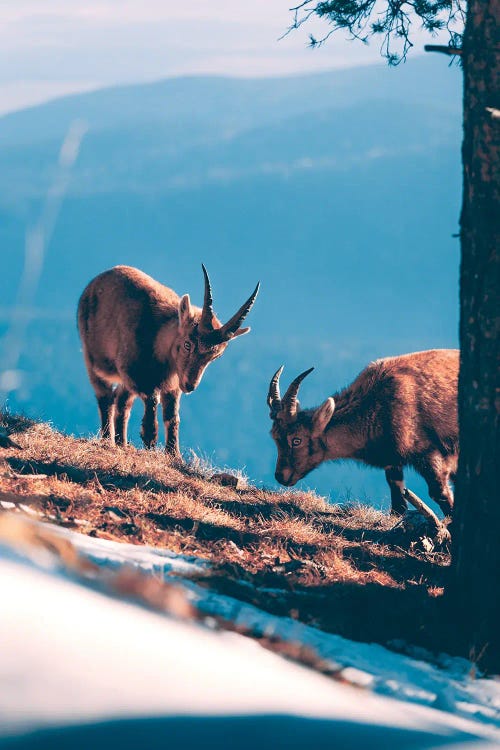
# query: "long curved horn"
229,329
273,396
289,401
207,314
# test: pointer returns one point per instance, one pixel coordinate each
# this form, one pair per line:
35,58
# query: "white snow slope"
82,669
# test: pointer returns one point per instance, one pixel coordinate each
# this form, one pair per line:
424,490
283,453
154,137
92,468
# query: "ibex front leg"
170,407
149,431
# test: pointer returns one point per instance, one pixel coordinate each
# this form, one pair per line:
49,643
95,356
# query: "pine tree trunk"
474,592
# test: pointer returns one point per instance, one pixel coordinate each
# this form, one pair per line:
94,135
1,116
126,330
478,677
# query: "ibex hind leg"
105,401
149,430
436,471
170,408
124,400
395,480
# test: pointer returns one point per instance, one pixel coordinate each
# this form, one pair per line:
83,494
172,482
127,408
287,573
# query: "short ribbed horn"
289,401
273,396
207,314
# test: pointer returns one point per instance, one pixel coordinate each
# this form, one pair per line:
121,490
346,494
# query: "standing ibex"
400,411
139,336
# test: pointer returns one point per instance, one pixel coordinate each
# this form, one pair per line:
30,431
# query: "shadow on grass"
265,510
108,480
202,530
402,567
16,424
367,612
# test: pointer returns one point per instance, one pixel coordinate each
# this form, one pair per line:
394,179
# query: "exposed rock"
413,530
227,480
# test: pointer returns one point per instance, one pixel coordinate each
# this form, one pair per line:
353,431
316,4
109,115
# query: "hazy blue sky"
51,47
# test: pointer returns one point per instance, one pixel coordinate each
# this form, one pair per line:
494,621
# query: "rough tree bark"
474,591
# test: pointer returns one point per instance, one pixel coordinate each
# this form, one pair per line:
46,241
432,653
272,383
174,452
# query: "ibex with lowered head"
400,411
139,336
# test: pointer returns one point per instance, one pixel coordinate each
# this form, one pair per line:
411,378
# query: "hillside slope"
86,531
289,552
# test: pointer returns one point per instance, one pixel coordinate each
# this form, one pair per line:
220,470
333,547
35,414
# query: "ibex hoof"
173,453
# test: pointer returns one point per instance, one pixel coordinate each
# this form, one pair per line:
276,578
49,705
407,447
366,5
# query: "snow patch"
70,654
446,685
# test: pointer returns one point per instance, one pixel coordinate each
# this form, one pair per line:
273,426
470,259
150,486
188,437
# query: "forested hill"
339,191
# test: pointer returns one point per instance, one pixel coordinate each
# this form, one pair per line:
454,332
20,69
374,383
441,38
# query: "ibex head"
201,338
297,433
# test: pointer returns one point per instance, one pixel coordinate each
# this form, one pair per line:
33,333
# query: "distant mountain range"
339,191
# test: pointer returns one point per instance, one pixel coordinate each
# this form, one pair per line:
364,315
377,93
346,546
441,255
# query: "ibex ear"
322,416
184,310
241,332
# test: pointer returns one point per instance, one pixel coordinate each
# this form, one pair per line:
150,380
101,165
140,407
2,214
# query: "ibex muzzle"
400,411
140,339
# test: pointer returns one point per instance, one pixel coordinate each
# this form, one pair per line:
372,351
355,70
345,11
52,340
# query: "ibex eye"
296,441
187,346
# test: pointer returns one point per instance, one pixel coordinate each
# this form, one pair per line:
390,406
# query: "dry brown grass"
344,568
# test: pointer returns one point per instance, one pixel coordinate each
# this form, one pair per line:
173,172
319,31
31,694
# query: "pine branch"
446,49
